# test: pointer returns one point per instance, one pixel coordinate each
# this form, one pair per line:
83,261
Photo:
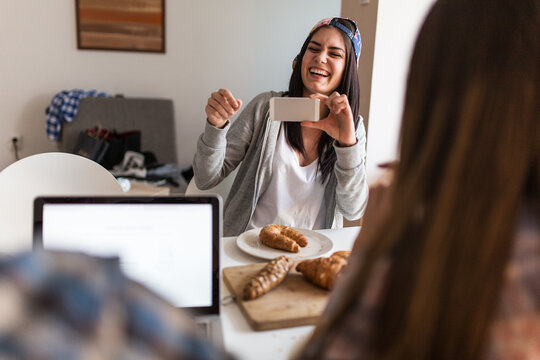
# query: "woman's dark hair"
349,86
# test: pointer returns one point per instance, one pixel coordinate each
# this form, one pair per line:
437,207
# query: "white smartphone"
294,109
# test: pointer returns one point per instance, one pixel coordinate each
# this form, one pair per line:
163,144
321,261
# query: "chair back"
46,174
222,189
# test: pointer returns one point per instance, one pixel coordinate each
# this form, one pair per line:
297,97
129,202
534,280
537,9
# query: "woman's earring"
295,61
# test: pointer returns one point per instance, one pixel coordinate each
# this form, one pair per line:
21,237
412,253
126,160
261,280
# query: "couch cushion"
153,117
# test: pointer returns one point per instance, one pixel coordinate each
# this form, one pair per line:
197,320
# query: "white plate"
318,244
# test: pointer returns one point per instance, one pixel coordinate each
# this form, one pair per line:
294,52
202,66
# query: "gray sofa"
153,117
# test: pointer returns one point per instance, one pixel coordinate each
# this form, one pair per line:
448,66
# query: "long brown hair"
469,158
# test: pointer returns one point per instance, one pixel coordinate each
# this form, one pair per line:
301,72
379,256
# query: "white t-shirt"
295,196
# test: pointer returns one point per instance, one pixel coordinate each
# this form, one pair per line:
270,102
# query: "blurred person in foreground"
60,305
447,265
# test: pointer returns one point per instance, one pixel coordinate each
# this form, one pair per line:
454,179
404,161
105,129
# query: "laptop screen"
169,244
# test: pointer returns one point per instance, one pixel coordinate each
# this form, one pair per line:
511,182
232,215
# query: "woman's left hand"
339,123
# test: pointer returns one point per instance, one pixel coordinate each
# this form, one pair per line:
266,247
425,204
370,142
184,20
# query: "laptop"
169,244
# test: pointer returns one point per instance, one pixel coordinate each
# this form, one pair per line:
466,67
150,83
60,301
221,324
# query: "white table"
141,188
239,338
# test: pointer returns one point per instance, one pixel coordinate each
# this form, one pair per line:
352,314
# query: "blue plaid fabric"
64,107
60,305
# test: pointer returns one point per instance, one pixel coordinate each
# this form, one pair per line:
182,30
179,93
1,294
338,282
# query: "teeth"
319,72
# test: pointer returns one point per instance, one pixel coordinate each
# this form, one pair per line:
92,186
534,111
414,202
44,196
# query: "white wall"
398,23
245,45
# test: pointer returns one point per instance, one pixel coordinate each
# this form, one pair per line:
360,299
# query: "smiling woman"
308,175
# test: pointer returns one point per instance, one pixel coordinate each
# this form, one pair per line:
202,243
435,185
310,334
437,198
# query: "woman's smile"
319,72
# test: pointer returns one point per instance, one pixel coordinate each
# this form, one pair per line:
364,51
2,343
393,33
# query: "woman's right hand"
221,106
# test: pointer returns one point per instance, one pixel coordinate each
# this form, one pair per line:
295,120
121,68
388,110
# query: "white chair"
222,189
47,174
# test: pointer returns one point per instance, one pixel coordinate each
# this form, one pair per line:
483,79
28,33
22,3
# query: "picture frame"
122,25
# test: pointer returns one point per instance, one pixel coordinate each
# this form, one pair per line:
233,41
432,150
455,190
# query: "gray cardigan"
250,141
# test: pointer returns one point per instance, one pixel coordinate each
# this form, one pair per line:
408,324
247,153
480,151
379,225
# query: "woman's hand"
339,123
221,106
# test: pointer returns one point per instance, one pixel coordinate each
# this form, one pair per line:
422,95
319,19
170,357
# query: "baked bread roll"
322,271
296,235
343,254
268,277
282,237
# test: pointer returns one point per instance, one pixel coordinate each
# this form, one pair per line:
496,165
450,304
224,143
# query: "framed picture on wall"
127,25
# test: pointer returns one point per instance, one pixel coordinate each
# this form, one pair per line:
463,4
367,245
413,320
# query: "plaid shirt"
56,305
63,107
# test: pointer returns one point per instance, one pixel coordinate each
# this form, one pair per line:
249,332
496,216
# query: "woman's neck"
310,139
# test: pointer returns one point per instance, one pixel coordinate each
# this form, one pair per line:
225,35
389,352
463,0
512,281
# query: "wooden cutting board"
294,302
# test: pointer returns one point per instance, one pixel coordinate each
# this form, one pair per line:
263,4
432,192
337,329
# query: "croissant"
295,235
343,254
282,237
322,271
268,277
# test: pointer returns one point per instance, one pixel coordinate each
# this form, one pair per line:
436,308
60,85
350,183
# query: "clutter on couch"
106,146
153,119
63,109
140,166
